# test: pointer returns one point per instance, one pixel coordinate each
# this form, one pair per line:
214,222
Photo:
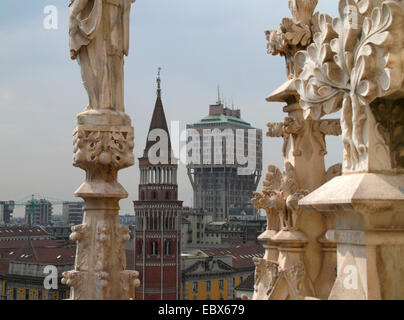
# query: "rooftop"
242,254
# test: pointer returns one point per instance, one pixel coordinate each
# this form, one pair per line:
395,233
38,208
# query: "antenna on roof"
232,103
219,100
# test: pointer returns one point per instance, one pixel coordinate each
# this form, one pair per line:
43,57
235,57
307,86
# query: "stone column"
295,253
366,203
103,144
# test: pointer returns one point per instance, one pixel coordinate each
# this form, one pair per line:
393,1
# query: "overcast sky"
198,43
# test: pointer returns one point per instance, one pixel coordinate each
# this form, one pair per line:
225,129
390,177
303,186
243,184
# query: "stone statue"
99,39
103,142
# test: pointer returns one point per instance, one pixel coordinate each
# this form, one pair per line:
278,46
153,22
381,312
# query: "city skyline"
198,45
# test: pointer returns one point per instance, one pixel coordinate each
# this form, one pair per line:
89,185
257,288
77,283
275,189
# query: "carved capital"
99,146
79,232
76,280
127,279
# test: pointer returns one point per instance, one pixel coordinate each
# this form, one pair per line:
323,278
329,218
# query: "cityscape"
202,252
171,163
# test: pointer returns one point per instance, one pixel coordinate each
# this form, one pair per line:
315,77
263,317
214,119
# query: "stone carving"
103,148
266,274
103,144
99,39
294,34
390,118
334,171
79,232
293,239
322,128
276,130
297,129
77,280
281,195
103,288
354,60
295,277
128,278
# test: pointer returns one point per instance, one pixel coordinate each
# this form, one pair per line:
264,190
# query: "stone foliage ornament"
294,240
281,195
294,33
355,58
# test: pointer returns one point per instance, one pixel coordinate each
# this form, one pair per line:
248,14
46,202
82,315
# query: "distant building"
219,177
223,232
158,217
72,213
198,219
246,288
22,265
214,273
22,233
41,212
59,232
127,219
6,211
249,212
201,231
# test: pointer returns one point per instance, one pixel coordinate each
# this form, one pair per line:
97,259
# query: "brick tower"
157,236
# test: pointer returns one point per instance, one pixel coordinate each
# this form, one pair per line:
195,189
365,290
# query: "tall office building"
72,213
224,161
41,211
6,211
158,216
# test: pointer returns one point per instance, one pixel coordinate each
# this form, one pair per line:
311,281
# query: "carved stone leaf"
273,179
289,182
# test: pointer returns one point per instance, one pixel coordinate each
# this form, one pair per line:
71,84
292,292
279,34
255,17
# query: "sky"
199,44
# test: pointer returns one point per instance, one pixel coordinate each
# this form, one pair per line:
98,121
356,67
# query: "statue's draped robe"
99,39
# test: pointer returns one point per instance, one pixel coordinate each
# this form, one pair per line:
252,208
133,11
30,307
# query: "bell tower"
157,236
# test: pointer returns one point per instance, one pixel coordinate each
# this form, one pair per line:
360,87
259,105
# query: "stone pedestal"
368,211
103,144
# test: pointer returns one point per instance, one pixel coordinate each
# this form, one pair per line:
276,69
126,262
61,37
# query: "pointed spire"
158,120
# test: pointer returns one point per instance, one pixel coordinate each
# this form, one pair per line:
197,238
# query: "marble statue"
99,39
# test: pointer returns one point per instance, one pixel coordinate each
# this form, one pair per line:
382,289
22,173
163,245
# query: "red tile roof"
39,251
242,254
23,231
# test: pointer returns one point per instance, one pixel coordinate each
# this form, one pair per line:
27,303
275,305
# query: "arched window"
142,195
153,248
167,195
140,247
154,195
168,248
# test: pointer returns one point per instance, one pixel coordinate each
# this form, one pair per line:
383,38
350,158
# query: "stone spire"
158,123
